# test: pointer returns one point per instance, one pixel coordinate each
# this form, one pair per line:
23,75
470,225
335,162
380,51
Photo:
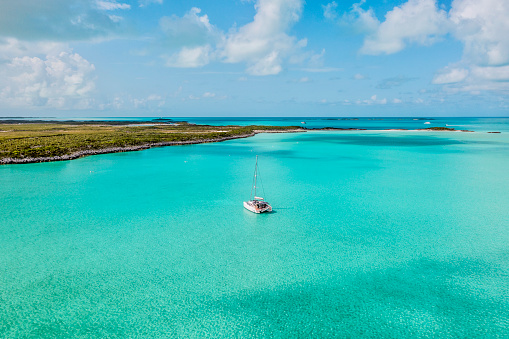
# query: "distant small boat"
427,123
303,122
256,204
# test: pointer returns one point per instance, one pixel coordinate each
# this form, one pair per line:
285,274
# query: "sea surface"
379,123
376,234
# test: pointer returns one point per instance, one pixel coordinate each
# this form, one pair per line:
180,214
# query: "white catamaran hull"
256,205
254,209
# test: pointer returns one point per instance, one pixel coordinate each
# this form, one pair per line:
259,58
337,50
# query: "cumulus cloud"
190,57
191,30
194,35
11,47
481,26
492,73
364,21
330,10
450,75
62,80
416,21
110,6
263,44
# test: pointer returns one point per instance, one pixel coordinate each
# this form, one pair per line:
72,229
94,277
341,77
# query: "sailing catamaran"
256,204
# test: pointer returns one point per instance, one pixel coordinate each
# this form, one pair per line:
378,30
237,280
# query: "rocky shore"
84,153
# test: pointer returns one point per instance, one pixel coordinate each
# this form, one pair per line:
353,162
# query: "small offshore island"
35,141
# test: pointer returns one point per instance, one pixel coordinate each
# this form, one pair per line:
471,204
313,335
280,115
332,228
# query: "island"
442,129
30,141
24,141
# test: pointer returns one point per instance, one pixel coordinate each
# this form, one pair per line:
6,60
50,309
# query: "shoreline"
89,152
84,153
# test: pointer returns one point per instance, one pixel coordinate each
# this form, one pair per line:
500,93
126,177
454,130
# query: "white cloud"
397,101
481,26
492,73
11,47
190,57
154,97
450,75
191,30
364,21
209,95
115,18
62,80
267,65
330,10
359,76
416,21
110,6
264,42
476,79
194,35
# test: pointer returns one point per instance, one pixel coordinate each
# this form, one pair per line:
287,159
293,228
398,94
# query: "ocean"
374,233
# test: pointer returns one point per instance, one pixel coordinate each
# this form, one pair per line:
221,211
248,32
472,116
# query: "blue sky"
254,58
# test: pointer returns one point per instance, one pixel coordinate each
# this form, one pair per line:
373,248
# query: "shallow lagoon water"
374,234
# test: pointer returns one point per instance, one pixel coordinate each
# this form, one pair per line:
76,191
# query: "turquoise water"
373,234
475,124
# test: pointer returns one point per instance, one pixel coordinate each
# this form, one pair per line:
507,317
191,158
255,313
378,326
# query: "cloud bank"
58,81
481,26
263,44
416,21
37,67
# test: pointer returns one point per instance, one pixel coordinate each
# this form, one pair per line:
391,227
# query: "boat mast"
255,175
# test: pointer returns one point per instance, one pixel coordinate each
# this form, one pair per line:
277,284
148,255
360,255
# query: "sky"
176,58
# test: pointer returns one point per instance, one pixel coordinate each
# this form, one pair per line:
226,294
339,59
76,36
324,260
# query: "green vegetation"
440,129
49,139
